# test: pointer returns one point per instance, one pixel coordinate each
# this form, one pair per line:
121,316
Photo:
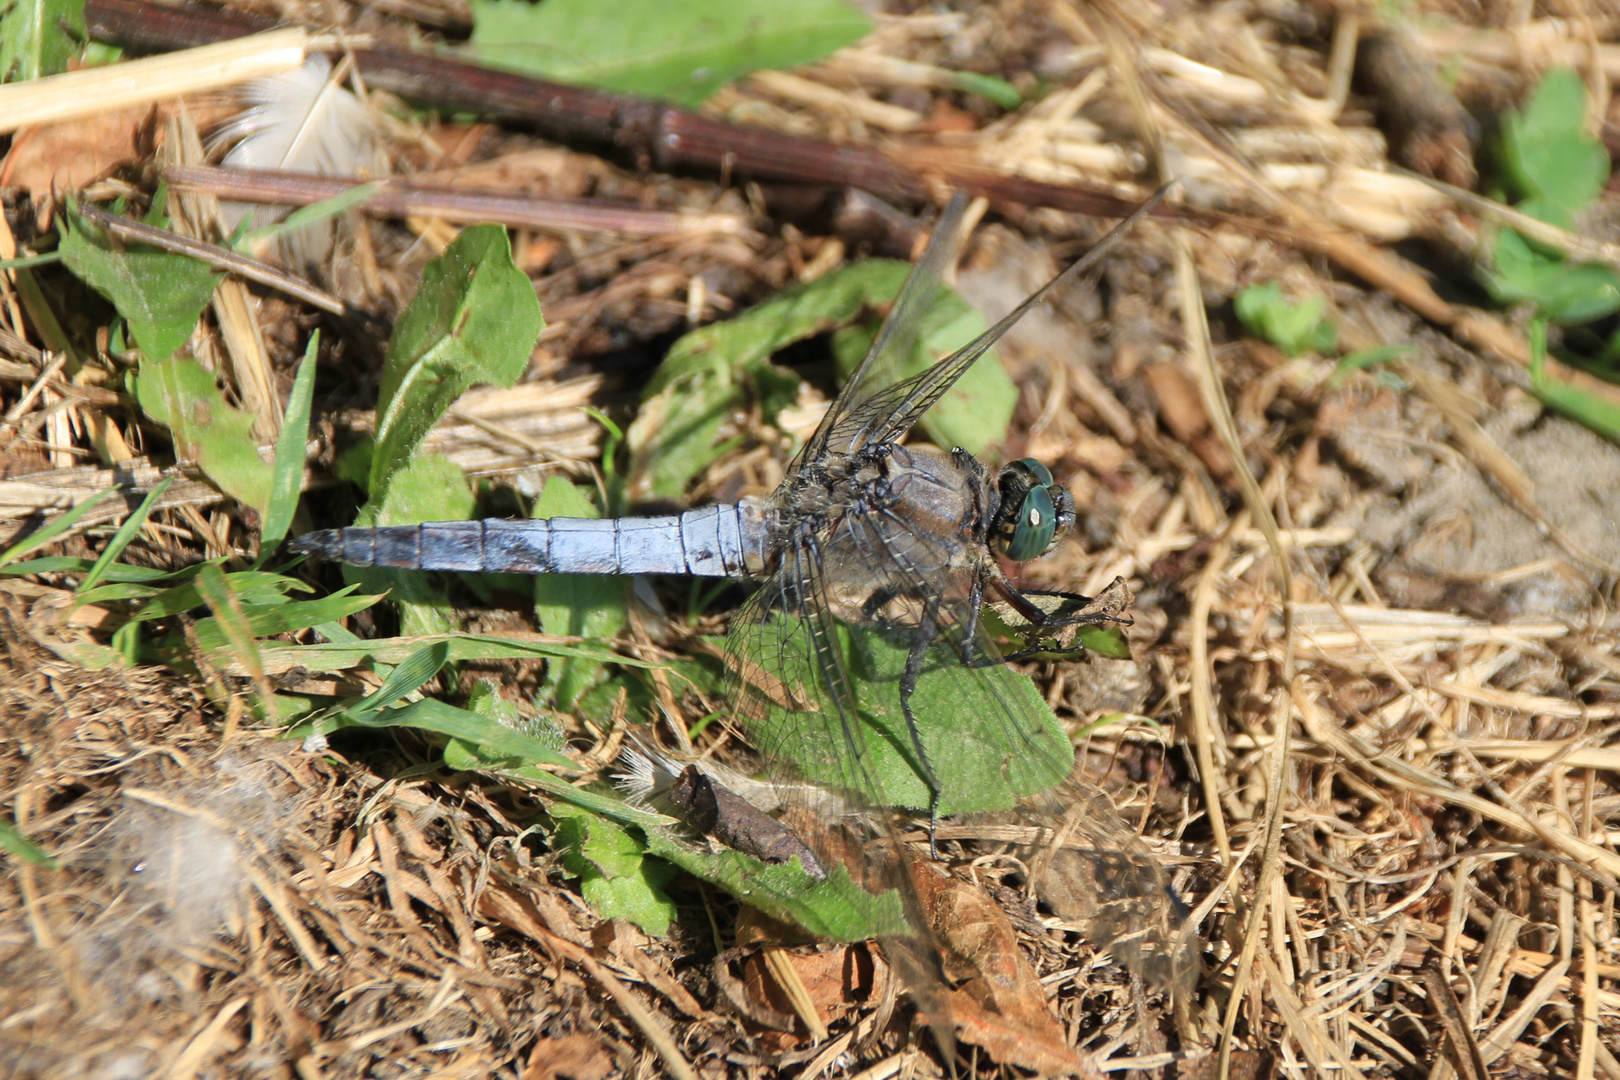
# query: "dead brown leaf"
999,1005
70,156
578,1057
1182,411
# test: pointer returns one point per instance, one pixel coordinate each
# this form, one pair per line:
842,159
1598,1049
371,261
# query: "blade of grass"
494,742
1583,408
63,564
52,529
233,624
25,849
126,532
377,653
408,677
305,215
287,476
27,261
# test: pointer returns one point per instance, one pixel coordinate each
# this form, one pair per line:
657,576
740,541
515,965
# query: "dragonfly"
863,662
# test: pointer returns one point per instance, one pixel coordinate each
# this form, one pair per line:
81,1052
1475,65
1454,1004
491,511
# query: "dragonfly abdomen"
716,541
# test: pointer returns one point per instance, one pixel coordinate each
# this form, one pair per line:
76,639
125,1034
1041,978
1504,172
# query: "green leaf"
474,319
1551,161
578,605
975,412
182,397
495,744
836,908
681,52
1584,408
19,845
1292,326
615,875
710,373
287,475
39,37
50,531
126,532
159,294
429,487
1564,292
980,763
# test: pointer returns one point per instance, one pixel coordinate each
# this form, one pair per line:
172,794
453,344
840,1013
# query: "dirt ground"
1370,724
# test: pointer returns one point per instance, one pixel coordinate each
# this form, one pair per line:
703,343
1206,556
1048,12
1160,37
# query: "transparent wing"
897,338
999,755
850,614
799,705
868,411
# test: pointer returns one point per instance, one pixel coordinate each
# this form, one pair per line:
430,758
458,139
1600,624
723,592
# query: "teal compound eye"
1034,510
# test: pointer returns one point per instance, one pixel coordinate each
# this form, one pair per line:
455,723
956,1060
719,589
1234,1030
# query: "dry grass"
1372,722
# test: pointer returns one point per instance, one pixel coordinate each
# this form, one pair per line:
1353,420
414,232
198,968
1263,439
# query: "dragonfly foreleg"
1038,623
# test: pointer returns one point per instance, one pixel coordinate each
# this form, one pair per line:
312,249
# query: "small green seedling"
1294,326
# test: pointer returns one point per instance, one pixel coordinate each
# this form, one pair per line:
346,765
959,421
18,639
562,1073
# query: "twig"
650,133
396,198
216,256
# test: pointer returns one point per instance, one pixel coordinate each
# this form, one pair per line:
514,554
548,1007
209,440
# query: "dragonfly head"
1033,511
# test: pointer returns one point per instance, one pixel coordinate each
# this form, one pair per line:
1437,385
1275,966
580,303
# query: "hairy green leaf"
39,37
182,397
159,294
615,875
836,908
980,763
474,319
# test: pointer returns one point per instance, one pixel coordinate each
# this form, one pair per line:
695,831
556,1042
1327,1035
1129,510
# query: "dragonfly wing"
796,698
905,404
994,747
897,338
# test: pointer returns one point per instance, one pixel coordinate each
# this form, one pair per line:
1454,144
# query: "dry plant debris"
1372,719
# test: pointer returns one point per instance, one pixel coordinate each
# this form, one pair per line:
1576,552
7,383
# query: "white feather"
302,121
648,772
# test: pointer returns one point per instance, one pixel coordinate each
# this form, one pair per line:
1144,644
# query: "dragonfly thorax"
1032,513
915,505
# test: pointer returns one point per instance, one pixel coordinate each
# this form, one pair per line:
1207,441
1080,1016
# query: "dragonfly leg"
973,658
920,640
1038,622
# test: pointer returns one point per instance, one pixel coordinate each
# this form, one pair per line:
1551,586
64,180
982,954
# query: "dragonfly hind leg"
921,638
